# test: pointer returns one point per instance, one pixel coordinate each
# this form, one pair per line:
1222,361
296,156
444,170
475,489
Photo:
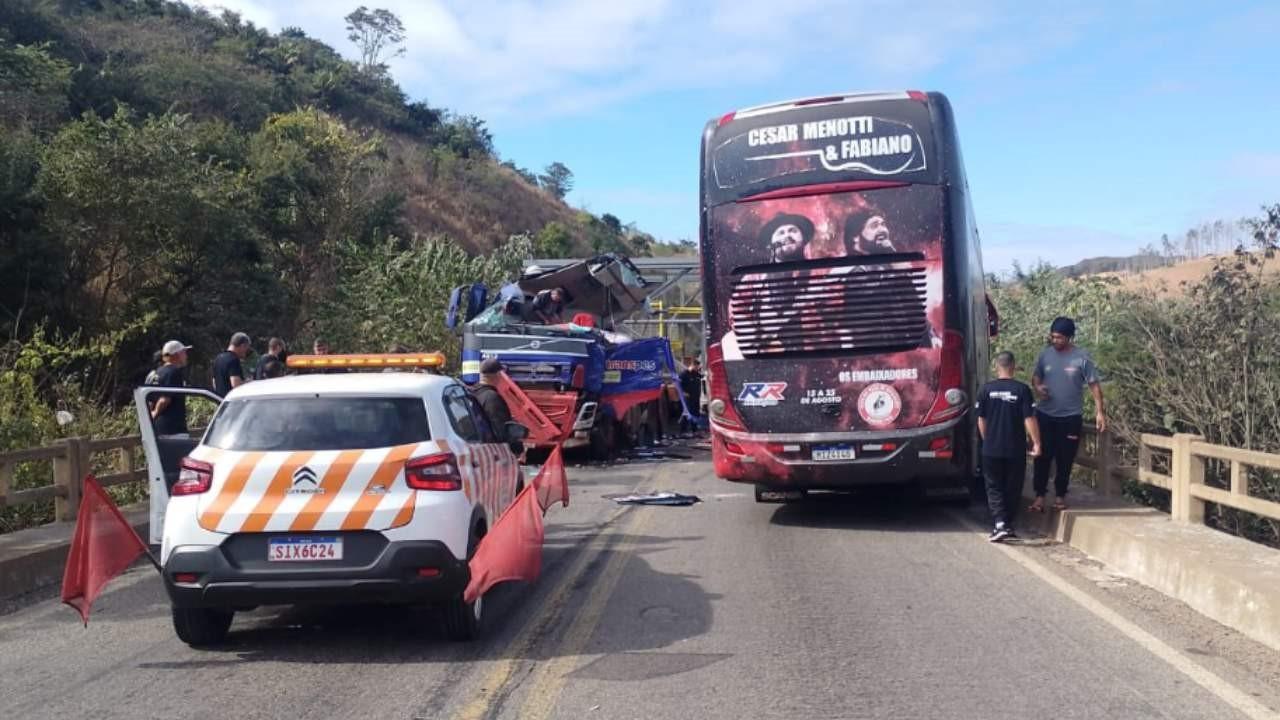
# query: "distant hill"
1122,264
157,57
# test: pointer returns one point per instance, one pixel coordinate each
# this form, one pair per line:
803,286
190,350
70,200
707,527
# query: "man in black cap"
486,393
1062,371
787,236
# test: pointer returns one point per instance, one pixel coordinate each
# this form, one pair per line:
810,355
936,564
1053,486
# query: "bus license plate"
832,452
304,549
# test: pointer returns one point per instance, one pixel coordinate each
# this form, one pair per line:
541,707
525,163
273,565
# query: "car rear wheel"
462,619
199,627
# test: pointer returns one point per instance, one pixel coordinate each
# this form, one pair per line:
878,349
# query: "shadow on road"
888,510
412,634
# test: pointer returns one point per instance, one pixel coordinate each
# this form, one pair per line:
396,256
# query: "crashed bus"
847,319
576,381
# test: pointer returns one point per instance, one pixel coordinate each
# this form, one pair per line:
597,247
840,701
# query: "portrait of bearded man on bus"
866,233
787,236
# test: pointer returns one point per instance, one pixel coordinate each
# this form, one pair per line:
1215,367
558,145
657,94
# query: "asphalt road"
858,607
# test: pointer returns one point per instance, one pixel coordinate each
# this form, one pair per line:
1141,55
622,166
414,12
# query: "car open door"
165,452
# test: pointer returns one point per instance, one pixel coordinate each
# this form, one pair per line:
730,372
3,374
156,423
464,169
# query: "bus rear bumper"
935,458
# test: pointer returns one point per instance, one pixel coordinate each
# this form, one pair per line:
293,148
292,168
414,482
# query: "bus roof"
849,97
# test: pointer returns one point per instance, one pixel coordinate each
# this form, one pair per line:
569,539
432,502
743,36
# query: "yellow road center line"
1231,695
501,671
549,677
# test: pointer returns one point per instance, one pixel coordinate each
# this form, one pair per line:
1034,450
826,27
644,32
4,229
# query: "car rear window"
318,423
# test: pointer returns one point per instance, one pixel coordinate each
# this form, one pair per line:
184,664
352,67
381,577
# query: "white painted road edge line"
1231,695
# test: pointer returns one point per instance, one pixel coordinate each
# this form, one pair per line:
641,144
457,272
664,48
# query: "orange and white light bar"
377,360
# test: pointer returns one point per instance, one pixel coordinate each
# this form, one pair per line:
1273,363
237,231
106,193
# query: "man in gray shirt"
1062,371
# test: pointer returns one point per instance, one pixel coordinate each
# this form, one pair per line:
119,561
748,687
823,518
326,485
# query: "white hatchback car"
327,488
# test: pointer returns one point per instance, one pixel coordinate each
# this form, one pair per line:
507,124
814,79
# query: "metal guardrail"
72,459
1184,459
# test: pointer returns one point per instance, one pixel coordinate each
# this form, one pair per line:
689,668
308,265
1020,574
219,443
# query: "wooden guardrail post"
68,477
1106,478
6,482
1188,470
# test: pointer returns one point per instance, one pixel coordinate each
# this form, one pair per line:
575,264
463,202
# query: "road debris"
655,498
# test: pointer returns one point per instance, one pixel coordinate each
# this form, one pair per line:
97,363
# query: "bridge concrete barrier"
1230,580
33,560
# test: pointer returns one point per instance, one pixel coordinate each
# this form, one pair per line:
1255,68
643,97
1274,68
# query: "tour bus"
847,318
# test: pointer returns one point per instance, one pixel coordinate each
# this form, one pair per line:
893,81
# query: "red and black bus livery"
847,322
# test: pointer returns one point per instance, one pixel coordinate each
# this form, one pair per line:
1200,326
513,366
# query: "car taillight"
951,399
721,403
194,477
433,472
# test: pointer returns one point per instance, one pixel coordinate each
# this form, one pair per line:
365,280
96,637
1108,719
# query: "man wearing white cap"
169,415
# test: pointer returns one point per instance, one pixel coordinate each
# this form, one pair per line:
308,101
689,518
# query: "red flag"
104,545
512,549
552,482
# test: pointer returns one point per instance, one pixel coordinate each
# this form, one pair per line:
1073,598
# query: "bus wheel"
766,494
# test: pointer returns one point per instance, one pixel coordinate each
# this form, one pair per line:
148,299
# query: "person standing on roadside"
275,352
1005,419
486,393
1062,371
228,370
169,414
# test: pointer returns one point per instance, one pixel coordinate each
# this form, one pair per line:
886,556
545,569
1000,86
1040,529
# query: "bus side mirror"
993,318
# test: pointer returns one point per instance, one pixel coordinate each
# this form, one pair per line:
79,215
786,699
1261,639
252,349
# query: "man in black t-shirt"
486,393
169,414
228,372
275,354
1005,419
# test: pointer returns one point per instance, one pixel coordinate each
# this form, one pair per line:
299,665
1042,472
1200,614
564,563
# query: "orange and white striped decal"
352,490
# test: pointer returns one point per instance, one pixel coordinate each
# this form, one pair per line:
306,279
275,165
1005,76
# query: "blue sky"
1088,128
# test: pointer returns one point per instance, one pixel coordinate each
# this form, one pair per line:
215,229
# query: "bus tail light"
194,477
721,404
433,472
727,118
917,95
951,399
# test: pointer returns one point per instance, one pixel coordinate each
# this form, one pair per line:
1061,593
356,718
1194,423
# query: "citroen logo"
304,474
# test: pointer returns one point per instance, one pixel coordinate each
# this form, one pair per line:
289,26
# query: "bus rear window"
839,142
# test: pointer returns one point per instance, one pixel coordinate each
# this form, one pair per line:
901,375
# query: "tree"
378,34
553,241
319,184
152,219
557,179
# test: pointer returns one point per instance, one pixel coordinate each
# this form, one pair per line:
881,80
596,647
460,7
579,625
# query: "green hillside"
166,172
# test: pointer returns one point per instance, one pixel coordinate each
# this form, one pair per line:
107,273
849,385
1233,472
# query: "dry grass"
1170,279
475,202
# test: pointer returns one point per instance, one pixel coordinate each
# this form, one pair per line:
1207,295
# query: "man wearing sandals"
1062,371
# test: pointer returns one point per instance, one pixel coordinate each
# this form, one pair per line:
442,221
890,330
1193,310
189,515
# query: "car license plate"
304,549
832,452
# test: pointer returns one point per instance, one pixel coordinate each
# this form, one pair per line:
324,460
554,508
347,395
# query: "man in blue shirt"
1062,371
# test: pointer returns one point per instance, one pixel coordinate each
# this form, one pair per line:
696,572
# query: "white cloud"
522,58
